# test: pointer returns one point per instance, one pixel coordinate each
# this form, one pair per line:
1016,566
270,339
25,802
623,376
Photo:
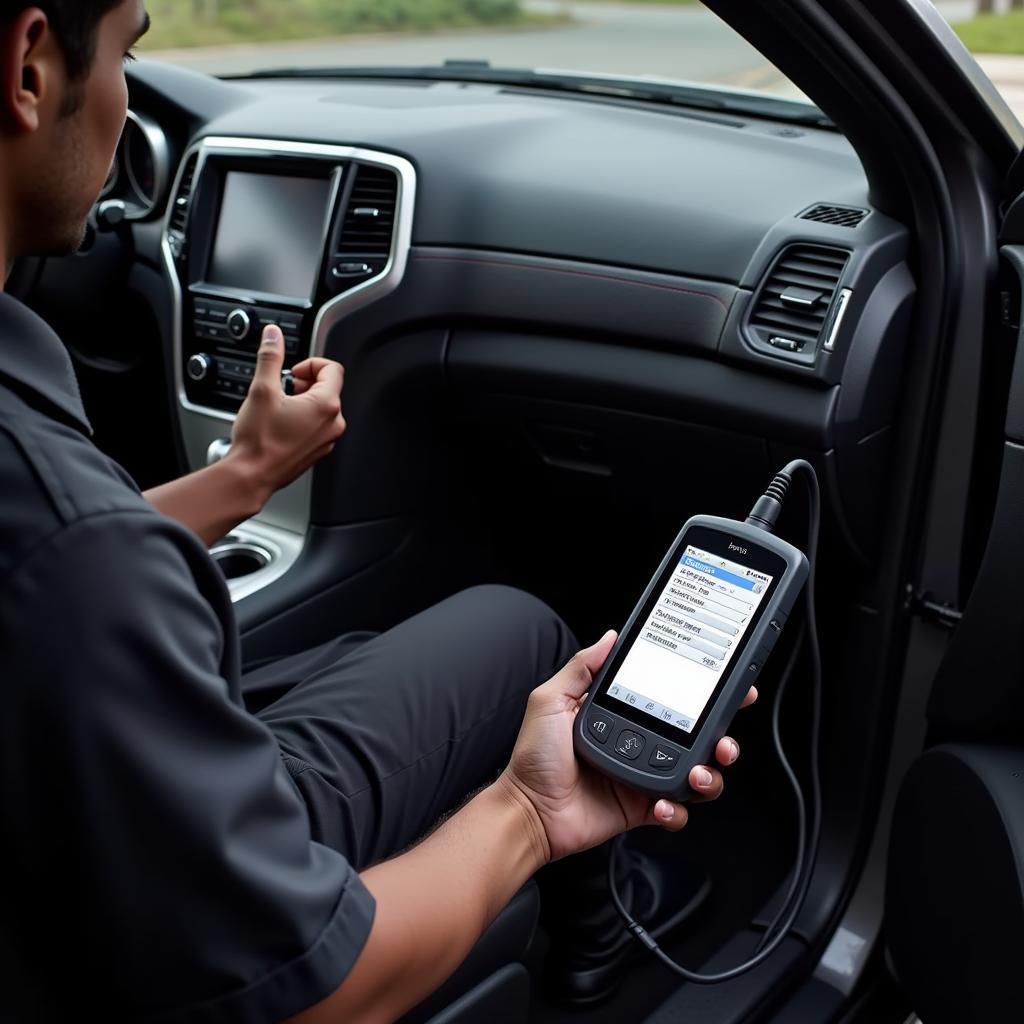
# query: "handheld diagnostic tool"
688,655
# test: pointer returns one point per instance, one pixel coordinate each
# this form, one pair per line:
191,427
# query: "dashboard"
558,254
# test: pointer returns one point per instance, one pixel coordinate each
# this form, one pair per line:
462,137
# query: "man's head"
63,100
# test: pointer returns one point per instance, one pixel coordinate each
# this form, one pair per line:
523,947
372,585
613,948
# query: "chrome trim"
237,546
202,361
218,450
241,314
844,301
332,311
969,68
798,301
282,546
154,135
284,523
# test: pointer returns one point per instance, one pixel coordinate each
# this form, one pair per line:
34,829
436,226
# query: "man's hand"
278,437
578,807
435,900
275,439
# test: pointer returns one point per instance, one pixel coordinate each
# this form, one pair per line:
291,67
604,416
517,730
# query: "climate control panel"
221,339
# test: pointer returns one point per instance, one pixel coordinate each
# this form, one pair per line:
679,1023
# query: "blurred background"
666,39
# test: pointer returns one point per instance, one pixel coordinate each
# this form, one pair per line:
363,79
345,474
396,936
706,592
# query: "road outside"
659,41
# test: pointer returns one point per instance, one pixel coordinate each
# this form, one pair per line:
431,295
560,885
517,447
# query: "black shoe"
588,960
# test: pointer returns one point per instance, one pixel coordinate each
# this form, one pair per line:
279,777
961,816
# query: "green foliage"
993,33
211,22
415,15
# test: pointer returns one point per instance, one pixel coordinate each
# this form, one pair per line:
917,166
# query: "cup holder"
237,559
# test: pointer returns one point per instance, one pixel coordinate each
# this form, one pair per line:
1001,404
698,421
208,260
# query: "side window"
993,30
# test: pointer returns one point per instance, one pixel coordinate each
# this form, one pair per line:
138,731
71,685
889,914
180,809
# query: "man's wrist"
247,481
524,808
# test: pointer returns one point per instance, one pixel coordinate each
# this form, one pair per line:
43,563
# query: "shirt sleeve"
159,859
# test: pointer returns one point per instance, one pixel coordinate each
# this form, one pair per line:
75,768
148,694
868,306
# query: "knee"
519,615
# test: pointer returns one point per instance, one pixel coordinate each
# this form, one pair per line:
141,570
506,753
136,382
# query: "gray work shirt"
156,858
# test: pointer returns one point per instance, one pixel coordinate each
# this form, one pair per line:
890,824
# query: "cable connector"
765,513
641,935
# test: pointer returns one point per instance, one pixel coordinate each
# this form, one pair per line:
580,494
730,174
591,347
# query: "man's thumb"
577,676
270,358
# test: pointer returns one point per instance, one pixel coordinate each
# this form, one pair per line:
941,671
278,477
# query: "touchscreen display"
689,638
270,236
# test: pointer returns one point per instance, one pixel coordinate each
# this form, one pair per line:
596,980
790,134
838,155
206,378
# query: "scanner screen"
689,638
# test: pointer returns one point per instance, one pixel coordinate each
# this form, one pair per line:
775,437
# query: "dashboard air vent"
367,231
840,216
179,211
795,299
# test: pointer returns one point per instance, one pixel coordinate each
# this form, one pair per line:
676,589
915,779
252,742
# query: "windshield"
655,41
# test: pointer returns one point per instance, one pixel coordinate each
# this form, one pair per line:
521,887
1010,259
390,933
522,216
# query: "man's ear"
28,51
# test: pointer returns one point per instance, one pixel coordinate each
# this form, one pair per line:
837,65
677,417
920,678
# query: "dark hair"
73,22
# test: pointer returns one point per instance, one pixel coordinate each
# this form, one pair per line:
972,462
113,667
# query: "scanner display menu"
690,637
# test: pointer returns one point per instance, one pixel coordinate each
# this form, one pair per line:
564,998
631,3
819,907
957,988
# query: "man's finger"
270,358
574,680
706,783
750,697
727,751
329,379
668,815
309,369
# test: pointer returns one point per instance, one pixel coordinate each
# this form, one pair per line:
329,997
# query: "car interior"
570,319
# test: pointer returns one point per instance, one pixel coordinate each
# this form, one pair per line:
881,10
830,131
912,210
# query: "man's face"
62,166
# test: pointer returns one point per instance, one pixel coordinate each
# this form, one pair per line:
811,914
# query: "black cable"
810,629
764,515
780,692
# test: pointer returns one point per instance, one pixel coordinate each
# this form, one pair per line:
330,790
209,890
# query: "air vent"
794,302
367,232
840,216
179,212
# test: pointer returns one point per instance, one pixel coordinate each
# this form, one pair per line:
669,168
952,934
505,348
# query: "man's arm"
434,902
212,501
275,439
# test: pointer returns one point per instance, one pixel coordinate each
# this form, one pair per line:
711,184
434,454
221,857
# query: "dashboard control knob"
239,324
199,366
110,213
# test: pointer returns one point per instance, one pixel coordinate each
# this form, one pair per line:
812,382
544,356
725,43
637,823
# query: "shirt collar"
34,362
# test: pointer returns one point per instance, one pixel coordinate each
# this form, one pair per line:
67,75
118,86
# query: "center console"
265,232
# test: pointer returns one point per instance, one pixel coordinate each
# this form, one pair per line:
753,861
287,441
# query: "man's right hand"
576,807
278,437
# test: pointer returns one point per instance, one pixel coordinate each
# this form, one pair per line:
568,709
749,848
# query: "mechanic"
168,855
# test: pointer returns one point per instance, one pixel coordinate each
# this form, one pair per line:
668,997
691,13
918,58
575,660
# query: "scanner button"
629,744
600,727
664,759
776,626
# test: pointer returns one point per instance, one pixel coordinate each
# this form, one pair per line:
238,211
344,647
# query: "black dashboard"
573,277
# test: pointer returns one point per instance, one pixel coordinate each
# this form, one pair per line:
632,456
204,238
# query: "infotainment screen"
270,235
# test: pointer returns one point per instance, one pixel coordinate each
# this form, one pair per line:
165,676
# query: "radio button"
664,759
212,332
600,727
239,324
199,366
629,744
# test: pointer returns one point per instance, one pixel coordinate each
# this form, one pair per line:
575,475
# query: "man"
168,856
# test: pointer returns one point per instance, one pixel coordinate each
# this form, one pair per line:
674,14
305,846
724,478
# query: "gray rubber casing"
741,676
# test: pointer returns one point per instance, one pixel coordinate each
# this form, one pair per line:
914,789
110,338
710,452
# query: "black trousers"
384,734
